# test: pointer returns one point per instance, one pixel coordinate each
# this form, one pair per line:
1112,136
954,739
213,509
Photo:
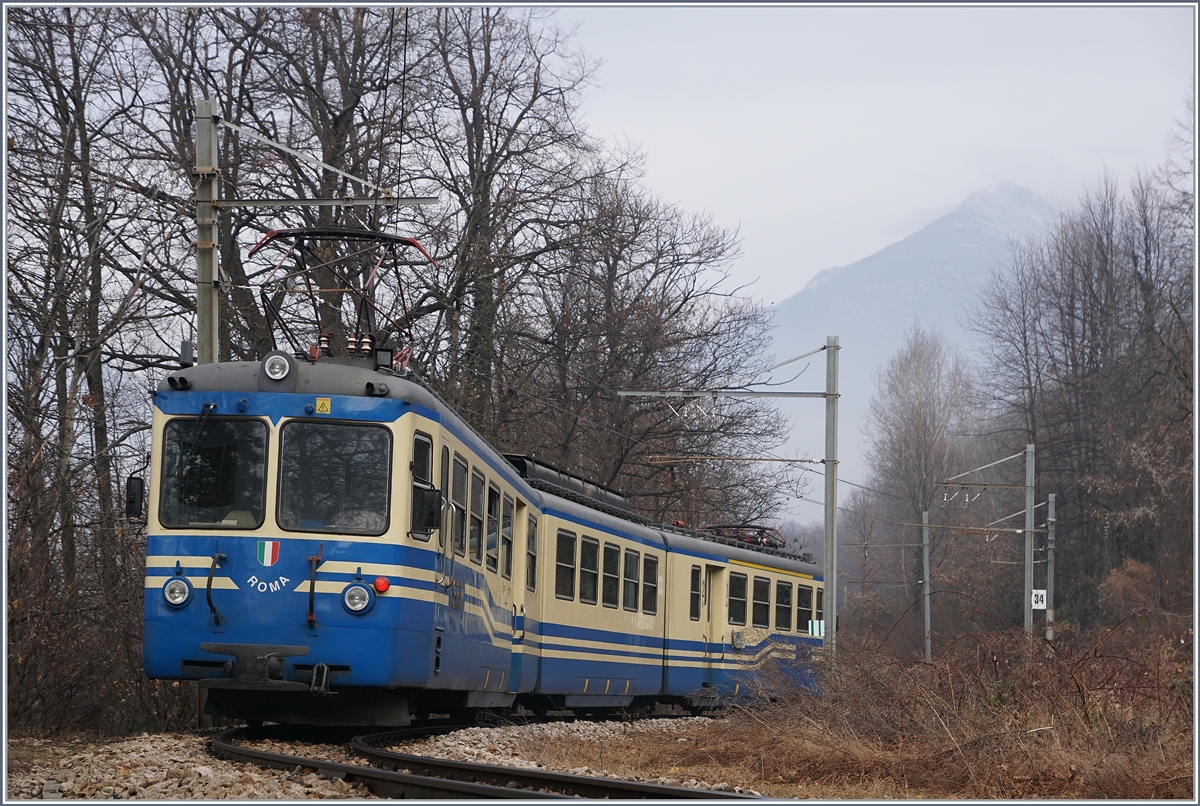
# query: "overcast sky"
824,134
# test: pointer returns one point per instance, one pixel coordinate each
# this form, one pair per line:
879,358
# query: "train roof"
533,469
676,536
749,553
327,376
338,376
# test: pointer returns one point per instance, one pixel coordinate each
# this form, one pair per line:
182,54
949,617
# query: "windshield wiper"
205,411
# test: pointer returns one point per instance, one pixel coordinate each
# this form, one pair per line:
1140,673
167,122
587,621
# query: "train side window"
459,500
446,527
820,604
737,599
506,538
475,538
564,566
422,479
650,584
760,615
783,606
694,596
632,561
589,569
531,551
804,613
612,575
493,527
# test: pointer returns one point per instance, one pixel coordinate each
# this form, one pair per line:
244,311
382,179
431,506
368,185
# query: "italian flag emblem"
268,551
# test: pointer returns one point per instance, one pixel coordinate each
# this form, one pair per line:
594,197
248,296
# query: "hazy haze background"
824,135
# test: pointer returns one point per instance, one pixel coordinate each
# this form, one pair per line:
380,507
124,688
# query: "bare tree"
1091,346
914,424
916,437
500,135
636,304
558,280
78,253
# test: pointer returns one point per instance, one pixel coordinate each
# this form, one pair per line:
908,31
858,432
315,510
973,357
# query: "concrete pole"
925,553
1050,567
205,172
831,401
1029,541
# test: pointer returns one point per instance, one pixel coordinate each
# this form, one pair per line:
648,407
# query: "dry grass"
1109,717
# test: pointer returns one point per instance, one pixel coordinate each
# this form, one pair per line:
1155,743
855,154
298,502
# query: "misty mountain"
933,277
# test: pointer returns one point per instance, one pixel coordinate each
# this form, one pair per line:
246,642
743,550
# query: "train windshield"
214,473
333,477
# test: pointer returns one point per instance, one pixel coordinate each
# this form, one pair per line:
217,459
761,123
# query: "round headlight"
356,598
176,592
276,367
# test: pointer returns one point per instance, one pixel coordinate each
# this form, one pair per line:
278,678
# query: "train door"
714,639
496,593
447,610
525,609
685,665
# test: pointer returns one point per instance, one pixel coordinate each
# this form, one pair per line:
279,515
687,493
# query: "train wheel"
539,706
463,716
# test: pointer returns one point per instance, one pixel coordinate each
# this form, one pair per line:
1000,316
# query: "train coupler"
320,681
255,666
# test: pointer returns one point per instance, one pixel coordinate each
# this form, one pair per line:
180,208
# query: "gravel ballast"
177,765
158,767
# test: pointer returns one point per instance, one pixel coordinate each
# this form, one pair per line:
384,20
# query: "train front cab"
267,508
265,521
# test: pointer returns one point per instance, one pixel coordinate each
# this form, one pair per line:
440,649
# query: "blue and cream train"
328,542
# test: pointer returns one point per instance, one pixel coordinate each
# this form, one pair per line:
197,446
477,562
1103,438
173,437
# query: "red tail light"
382,584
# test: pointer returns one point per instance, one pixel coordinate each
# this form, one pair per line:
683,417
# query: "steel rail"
441,778
583,786
384,783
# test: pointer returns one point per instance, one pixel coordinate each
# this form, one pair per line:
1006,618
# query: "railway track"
401,775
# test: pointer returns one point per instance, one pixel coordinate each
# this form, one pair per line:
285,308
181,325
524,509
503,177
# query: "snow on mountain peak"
932,275
1011,209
